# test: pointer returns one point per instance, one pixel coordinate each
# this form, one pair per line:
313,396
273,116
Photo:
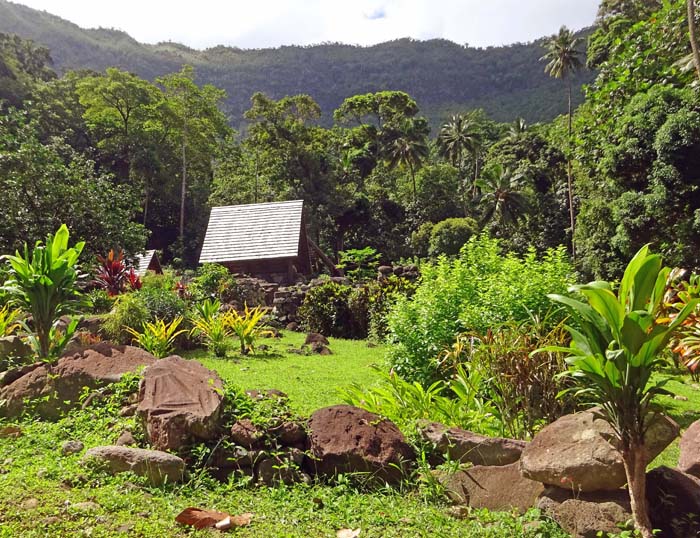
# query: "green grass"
310,381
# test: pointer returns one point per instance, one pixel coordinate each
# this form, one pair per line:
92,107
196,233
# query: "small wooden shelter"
148,261
263,240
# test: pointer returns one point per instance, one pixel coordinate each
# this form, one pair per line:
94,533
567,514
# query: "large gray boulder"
689,460
583,515
500,487
51,390
580,452
468,447
179,401
159,467
347,439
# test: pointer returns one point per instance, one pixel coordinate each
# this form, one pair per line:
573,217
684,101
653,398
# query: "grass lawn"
310,381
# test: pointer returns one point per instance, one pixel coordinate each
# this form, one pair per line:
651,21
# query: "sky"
270,23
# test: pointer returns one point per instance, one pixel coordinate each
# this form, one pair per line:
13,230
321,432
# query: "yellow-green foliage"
246,326
9,320
158,338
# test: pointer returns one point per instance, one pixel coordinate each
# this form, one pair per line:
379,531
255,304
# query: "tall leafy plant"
43,283
616,344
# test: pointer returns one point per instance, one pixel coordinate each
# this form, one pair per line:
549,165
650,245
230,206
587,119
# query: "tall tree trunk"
183,186
413,179
146,198
570,182
635,468
693,36
476,172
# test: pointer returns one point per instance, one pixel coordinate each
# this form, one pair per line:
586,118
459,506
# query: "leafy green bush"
99,301
482,288
214,281
162,303
448,236
326,310
359,264
420,240
454,403
129,310
165,281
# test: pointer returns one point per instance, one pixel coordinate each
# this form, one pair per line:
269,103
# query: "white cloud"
265,23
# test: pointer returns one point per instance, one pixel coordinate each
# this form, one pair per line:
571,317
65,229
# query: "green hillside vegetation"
442,76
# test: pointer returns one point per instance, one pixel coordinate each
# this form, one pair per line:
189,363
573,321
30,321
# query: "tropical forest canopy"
133,156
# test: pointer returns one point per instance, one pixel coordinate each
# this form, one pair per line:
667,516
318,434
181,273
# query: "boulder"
72,447
500,487
346,439
179,401
319,349
580,452
53,389
159,467
313,338
689,461
469,447
674,502
290,434
583,515
246,434
13,347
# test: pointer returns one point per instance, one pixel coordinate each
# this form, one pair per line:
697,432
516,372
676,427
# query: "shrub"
9,320
164,281
448,236
455,403
482,288
359,264
325,310
111,274
129,310
214,281
420,240
162,303
99,301
523,380
158,337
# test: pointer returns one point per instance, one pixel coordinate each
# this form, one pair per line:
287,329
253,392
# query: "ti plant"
617,340
686,339
9,320
112,273
158,337
43,283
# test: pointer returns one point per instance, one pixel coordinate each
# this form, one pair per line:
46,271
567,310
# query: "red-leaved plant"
134,280
111,273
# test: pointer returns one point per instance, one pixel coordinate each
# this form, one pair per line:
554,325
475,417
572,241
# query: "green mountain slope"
443,77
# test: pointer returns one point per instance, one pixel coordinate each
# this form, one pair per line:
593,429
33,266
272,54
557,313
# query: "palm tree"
564,59
517,129
409,147
458,137
693,36
502,196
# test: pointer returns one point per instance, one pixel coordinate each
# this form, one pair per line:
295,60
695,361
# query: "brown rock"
346,439
316,338
292,326
500,487
125,439
585,514
689,461
56,388
13,347
320,349
246,434
469,447
674,502
159,467
179,400
290,433
580,451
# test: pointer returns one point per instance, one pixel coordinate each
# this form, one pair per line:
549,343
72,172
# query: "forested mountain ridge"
444,77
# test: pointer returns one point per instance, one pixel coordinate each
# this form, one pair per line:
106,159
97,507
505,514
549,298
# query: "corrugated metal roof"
253,232
143,261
